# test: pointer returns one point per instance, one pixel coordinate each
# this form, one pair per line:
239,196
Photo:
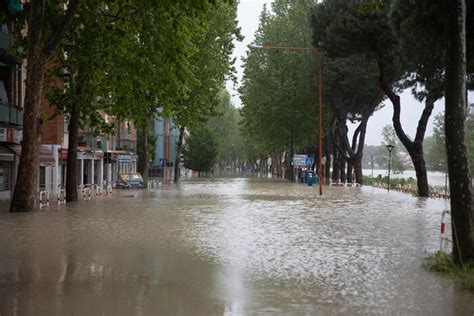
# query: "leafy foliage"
436,154
279,86
225,127
201,149
390,138
443,263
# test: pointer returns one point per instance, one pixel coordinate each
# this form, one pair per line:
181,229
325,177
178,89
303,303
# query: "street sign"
302,161
124,159
162,162
298,160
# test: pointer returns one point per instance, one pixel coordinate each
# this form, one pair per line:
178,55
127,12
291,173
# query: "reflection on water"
227,246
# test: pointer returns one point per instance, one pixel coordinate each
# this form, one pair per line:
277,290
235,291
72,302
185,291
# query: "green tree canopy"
200,150
279,92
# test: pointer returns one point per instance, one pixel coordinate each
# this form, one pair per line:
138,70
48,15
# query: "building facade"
167,135
93,167
11,111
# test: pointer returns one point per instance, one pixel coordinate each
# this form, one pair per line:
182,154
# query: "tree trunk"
358,170
462,204
142,165
26,185
179,147
72,182
336,164
420,134
291,168
39,51
349,170
342,169
327,166
420,168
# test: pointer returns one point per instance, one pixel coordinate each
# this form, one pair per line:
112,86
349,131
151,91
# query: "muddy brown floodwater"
235,246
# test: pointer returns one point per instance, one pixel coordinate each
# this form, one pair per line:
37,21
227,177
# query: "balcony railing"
11,114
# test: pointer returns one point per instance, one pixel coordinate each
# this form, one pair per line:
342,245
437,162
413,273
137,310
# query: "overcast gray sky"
248,14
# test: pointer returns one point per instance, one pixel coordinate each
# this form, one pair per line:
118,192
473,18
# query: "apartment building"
11,111
166,144
93,167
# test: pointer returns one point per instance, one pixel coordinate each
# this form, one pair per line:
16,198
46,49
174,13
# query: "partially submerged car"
128,180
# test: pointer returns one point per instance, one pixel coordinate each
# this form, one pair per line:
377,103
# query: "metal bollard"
62,196
108,191
443,230
87,194
44,198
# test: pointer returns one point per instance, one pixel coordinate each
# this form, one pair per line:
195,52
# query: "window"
42,179
5,175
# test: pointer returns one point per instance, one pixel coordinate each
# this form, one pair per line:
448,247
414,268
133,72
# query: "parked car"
130,181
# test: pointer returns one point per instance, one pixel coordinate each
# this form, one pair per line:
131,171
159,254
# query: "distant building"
91,149
157,166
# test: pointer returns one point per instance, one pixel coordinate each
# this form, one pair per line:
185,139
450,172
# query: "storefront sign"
10,135
124,159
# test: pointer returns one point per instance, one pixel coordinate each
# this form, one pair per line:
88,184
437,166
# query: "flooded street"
234,246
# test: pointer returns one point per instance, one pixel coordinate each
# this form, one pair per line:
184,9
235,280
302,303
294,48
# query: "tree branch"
421,129
395,99
61,29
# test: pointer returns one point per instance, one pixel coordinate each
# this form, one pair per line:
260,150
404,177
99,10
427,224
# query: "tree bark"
358,170
462,204
142,165
327,166
72,182
291,168
335,160
416,154
24,198
350,165
179,147
39,51
413,147
342,170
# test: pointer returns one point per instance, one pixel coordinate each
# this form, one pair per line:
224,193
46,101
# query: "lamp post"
389,148
320,93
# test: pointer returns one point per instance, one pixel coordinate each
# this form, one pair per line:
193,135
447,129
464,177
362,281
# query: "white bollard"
62,196
44,198
443,230
108,192
87,193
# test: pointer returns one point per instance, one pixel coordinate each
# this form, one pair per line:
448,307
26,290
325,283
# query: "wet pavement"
235,246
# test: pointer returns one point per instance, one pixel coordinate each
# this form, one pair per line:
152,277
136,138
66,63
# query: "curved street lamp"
320,90
389,148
